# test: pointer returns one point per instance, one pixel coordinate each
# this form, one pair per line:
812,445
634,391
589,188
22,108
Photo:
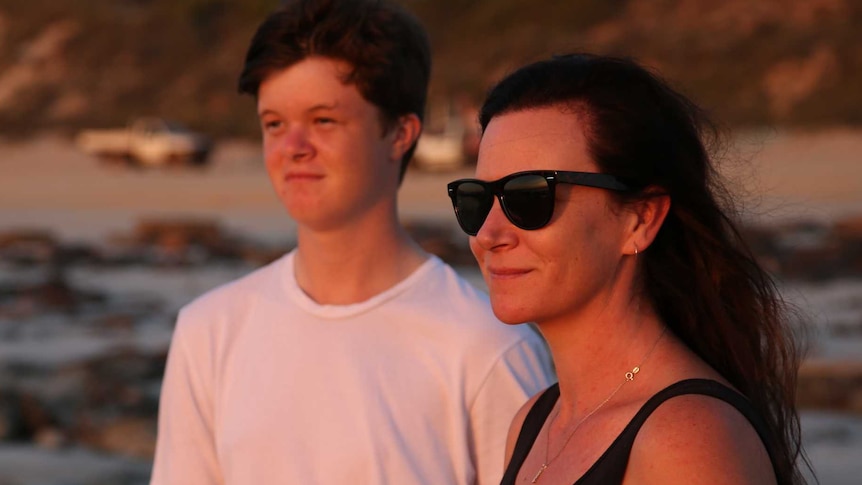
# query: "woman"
595,214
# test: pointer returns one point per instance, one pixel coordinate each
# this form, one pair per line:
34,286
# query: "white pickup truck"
149,142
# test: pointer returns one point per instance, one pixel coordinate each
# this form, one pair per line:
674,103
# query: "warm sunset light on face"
135,180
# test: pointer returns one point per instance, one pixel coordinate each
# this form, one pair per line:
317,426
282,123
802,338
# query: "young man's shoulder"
236,296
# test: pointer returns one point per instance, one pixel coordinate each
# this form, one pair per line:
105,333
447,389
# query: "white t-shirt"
417,385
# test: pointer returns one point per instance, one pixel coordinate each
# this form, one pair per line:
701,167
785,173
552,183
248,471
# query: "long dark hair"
698,273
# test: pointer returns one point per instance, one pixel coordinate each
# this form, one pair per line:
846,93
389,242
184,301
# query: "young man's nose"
295,145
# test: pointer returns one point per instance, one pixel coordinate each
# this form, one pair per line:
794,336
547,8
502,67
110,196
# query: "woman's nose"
497,231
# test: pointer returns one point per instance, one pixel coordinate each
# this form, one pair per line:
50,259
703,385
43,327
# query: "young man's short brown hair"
385,45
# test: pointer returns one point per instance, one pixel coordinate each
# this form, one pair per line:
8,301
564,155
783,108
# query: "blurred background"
131,181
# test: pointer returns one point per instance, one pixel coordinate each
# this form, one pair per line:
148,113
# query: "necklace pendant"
539,473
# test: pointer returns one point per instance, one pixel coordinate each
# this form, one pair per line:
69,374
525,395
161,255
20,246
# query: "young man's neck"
353,264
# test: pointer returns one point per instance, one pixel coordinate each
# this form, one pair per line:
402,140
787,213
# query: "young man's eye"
322,120
271,125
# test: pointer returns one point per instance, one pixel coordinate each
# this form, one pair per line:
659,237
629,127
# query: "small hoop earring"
636,249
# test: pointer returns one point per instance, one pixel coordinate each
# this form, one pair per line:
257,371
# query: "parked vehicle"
439,153
149,142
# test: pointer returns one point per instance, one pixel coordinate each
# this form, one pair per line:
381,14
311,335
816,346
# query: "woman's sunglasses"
527,198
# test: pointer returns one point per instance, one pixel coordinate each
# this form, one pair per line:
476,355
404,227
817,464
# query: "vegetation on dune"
67,65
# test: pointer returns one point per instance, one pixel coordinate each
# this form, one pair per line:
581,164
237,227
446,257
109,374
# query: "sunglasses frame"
552,177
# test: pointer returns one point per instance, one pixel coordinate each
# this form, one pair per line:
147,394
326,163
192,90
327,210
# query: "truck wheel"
199,159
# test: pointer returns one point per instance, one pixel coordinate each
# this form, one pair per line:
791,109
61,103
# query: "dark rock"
11,424
133,436
809,250
36,419
830,385
185,241
27,246
54,294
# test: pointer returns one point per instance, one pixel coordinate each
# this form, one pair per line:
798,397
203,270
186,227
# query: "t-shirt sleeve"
521,371
185,446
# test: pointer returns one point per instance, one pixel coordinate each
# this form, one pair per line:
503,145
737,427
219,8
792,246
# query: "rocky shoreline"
85,327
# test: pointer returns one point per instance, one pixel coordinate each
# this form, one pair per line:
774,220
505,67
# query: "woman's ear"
649,214
405,133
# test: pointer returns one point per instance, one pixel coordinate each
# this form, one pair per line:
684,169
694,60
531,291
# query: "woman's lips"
503,273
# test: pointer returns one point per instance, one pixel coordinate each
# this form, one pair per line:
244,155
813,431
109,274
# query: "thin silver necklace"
629,376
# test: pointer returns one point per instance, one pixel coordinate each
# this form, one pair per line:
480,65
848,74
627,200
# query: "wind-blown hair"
386,47
699,274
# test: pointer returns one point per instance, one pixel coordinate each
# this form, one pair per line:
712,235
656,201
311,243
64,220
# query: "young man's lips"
298,176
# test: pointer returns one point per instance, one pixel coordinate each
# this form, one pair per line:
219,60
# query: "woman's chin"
510,316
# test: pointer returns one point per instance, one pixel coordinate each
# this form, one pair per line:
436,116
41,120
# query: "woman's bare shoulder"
517,424
696,439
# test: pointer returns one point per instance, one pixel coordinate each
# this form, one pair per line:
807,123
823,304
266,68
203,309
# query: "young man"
357,357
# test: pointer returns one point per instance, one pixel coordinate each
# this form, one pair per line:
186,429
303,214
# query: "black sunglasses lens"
473,202
528,202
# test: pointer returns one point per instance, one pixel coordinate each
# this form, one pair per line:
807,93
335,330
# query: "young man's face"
325,149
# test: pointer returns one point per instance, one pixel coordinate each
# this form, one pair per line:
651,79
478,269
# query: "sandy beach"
47,183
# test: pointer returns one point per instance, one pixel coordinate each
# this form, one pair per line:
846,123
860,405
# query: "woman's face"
569,267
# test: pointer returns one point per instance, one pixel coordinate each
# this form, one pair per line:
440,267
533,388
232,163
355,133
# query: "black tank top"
610,468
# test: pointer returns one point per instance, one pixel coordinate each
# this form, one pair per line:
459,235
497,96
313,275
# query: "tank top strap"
533,423
610,467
